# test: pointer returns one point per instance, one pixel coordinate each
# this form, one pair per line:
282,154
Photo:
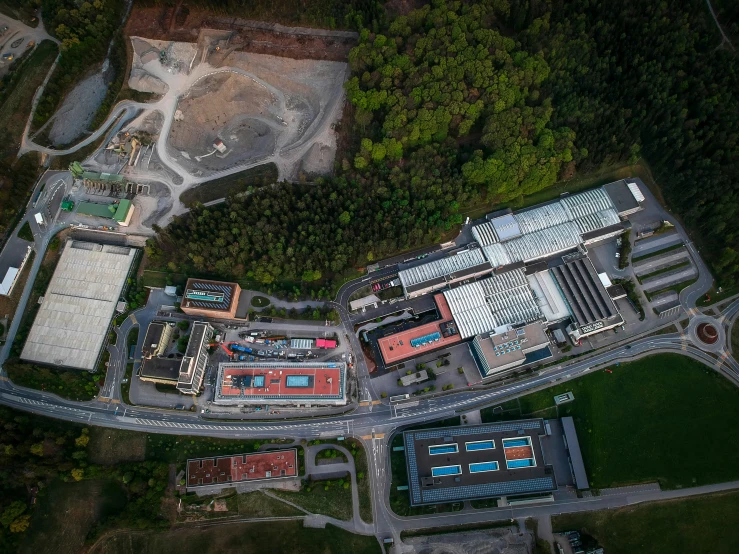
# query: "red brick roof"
323,381
242,467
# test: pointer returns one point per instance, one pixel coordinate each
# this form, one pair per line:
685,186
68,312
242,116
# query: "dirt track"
253,36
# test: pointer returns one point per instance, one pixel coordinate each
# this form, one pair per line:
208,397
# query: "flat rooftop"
454,464
503,349
281,381
165,369
79,303
620,194
587,298
273,464
209,295
153,336
425,338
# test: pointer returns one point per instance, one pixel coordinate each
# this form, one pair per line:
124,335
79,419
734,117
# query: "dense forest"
447,109
36,451
458,102
85,29
331,14
639,78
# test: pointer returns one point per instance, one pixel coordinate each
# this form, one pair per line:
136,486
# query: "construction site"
219,110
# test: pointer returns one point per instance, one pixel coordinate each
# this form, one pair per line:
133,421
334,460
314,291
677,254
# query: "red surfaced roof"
262,465
323,381
397,347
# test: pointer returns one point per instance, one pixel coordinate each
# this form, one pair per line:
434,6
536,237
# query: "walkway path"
724,38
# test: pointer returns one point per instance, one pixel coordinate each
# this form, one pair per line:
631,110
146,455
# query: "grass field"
735,336
334,502
254,538
259,301
679,527
110,446
25,232
84,503
258,504
641,422
363,481
233,184
17,104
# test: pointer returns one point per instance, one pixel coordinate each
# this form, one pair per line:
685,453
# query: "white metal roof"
634,188
496,254
547,229
506,227
542,217
484,305
8,280
598,220
485,234
442,267
80,300
585,203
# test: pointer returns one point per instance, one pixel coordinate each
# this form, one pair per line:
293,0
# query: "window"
443,449
479,445
446,470
481,467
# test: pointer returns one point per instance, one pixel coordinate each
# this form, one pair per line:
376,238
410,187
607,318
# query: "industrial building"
454,464
214,299
14,262
422,339
502,352
72,322
591,307
272,464
431,276
121,212
305,384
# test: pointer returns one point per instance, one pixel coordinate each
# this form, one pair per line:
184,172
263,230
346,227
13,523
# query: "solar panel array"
488,489
477,430
425,339
226,290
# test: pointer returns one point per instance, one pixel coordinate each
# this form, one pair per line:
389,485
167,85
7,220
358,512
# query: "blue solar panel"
446,470
479,445
420,341
443,449
479,430
512,464
450,494
483,466
298,381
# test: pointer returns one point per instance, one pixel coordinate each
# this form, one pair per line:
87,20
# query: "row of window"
453,447
477,467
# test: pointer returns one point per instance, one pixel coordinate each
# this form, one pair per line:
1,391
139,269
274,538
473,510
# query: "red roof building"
273,464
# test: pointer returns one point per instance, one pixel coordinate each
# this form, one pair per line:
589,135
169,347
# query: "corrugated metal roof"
485,234
484,305
441,268
636,191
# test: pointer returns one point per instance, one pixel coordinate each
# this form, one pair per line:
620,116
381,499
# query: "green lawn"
259,301
258,504
25,232
641,422
735,336
233,184
313,497
254,538
695,525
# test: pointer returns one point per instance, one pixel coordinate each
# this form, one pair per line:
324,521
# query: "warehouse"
438,274
454,464
72,322
502,352
549,229
214,299
626,197
305,384
491,303
590,304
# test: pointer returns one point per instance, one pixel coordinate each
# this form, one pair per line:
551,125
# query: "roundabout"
707,333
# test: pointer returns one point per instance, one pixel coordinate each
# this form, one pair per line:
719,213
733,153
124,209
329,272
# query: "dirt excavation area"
491,541
230,110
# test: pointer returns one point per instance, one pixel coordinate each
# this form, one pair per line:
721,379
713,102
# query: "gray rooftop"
621,196
79,303
425,488
573,447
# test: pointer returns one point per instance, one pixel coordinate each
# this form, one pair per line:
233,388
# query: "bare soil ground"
290,42
493,541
